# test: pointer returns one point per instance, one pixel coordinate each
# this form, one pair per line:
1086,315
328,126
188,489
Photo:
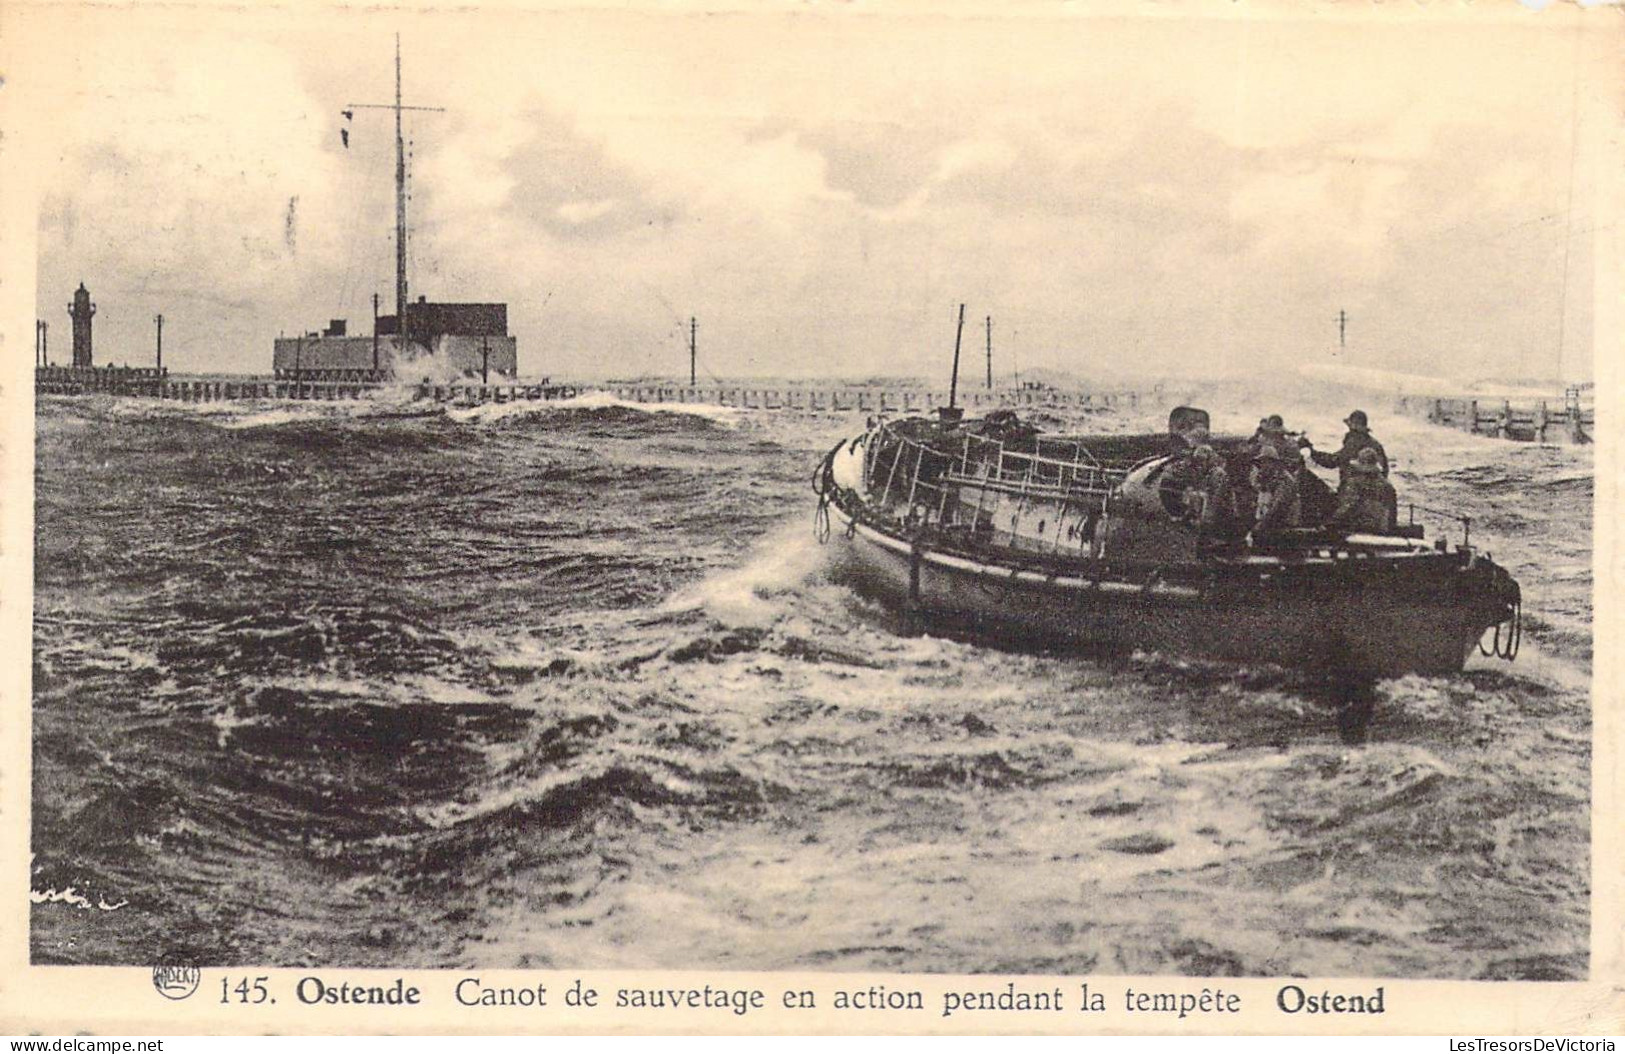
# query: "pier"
856,398
1522,420
158,384
1528,420
154,383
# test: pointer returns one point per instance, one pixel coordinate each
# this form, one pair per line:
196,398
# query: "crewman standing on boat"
1260,438
1277,507
1359,438
1366,503
1272,433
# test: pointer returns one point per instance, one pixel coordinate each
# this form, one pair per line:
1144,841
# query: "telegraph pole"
485,360
693,352
1342,328
160,320
42,330
375,335
990,353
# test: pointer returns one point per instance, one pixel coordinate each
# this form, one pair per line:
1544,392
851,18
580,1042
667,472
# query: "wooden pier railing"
153,384
114,380
156,384
816,398
1536,421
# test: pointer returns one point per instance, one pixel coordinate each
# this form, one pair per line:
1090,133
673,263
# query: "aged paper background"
40,112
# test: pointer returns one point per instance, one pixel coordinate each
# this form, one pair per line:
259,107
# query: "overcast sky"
1164,193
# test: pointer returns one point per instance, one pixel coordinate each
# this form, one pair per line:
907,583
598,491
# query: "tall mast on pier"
400,200
400,184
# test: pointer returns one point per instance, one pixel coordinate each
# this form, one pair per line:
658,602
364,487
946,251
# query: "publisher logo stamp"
176,982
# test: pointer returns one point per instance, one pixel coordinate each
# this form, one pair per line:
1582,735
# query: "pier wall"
812,398
1524,420
114,380
151,383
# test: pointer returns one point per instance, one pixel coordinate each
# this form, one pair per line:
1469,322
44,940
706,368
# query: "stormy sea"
564,685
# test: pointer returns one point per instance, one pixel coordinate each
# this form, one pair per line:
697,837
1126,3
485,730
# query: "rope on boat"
1508,647
823,486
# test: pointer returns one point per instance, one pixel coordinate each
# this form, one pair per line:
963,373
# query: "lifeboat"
993,529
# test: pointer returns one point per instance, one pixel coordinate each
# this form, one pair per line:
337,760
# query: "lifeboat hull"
1357,616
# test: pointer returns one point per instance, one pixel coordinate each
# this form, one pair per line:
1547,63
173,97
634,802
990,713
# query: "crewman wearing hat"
1272,432
1366,504
1258,439
1276,485
1208,497
1359,438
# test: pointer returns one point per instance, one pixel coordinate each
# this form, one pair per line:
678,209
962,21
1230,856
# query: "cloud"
577,213
880,162
822,190
572,188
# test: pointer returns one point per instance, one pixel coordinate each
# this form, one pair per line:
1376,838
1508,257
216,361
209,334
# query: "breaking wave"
564,683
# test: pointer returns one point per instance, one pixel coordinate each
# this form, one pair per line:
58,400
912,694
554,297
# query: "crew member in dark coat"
1269,428
1366,503
1359,438
1272,433
1276,484
1207,493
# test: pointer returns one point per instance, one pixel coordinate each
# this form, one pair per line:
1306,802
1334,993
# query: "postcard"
900,518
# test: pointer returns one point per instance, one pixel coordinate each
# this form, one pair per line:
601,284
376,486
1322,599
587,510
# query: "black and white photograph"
894,491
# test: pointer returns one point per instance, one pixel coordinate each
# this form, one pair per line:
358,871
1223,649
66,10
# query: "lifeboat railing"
915,480
1464,522
920,477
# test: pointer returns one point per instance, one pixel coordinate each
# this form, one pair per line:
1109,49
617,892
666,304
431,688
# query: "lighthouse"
81,311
